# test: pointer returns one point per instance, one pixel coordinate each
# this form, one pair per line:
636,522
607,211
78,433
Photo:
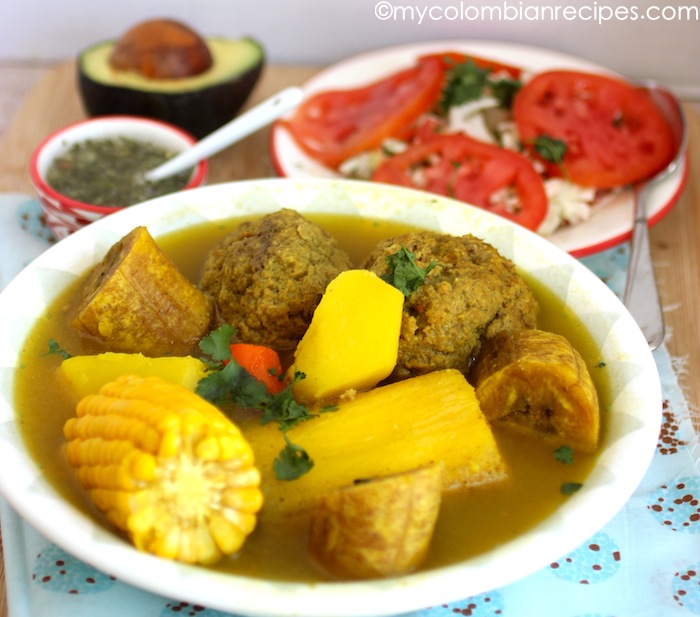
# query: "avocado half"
199,104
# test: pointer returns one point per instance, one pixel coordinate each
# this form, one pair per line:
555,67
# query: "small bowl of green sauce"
95,167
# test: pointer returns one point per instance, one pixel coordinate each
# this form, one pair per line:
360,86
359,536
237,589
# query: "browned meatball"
472,294
268,275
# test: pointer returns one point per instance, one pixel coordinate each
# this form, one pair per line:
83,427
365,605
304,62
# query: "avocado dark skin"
198,110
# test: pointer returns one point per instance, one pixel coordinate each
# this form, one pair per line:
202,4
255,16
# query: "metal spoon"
255,118
641,296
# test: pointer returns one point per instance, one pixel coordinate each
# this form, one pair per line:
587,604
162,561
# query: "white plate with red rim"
629,439
611,220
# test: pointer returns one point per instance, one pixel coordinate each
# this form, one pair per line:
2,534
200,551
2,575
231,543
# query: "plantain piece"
537,381
377,528
136,300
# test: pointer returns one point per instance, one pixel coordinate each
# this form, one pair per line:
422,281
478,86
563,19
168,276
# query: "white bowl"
632,420
65,215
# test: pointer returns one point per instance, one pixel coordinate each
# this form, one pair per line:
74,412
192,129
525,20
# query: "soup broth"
471,520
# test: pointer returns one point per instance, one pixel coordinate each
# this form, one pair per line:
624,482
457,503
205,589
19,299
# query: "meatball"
267,276
469,296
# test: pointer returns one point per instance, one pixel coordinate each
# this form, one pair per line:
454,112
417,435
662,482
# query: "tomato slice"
334,125
614,134
498,180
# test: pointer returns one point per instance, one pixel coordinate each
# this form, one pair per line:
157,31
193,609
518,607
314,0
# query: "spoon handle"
641,296
231,132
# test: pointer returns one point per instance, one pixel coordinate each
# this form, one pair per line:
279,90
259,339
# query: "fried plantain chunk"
377,528
136,299
537,381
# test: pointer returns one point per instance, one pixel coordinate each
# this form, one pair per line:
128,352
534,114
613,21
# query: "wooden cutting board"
54,102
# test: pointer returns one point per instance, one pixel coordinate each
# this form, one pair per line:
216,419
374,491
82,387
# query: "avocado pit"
161,49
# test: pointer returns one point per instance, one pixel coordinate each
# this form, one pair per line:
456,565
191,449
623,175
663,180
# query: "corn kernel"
166,467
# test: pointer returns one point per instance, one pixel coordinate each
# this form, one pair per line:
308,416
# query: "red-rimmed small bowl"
65,215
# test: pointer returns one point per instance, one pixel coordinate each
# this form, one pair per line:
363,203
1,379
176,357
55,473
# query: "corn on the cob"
166,467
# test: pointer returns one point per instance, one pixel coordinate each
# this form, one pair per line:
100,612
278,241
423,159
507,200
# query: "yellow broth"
471,520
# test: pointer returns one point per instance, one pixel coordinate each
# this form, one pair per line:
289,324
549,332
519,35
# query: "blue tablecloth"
645,562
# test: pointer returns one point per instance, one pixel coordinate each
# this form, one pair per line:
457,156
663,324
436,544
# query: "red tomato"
501,181
332,126
496,67
614,133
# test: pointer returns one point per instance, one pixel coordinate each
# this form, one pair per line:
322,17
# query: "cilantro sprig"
552,150
569,488
565,454
549,148
230,382
404,273
55,349
466,81
292,462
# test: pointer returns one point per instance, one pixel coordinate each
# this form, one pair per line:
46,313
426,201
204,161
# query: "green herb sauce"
109,172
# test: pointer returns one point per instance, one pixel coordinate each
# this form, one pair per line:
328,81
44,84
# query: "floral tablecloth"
644,563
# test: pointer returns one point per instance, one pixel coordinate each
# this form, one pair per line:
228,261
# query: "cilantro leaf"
564,454
292,462
504,90
229,381
404,273
569,488
56,349
549,148
248,391
217,343
465,82
283,409
214,387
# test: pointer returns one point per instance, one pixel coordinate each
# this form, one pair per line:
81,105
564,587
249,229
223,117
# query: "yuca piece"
433,418
87,374
136,300
537,381
377,528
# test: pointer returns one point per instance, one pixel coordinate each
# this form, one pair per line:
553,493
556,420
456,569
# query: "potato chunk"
425,420
87,374
353,339
537,381
378,528
136,300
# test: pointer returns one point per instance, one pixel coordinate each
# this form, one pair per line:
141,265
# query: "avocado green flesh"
198,104
231,58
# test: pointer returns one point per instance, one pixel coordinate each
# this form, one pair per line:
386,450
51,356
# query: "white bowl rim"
634,427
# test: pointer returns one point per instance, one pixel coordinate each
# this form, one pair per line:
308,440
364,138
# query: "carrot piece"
261,362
